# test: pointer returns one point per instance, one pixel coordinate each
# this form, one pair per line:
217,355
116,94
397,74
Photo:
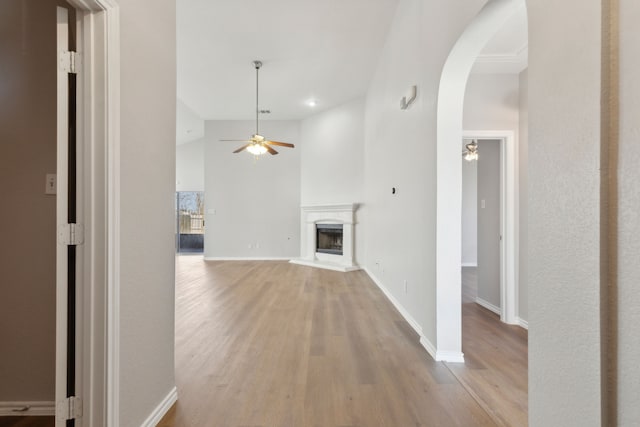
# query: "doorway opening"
489,239
190,222
450,108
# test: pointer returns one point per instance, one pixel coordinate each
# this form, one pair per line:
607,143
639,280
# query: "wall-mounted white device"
408,99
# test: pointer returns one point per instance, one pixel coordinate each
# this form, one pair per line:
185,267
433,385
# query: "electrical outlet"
257,245
250,246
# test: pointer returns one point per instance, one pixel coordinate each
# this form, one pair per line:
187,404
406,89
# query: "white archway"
453,81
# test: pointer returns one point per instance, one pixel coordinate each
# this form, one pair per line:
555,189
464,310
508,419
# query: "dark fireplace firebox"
329,238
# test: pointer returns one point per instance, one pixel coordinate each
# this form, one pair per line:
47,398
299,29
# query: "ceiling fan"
258,144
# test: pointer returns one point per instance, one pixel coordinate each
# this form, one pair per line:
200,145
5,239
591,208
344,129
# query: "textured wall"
628,317
148,160
28,216
564,205
523,198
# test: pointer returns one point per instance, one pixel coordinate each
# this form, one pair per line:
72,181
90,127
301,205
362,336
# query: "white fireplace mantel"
327,214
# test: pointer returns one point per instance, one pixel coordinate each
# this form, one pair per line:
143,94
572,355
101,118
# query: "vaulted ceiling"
312,50
325,51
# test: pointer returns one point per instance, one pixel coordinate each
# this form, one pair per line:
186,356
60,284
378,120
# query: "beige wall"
523,198
564,213
628,299
27,215
148,161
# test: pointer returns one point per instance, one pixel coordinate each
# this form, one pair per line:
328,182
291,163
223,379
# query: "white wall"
332,155
332,162
523,198
400,151
488,210
491,102
628,298
190,166
147,216
469,212
252,202
564,210
189,125
496,102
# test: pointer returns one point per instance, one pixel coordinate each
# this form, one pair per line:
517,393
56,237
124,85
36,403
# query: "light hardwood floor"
276,344
495,369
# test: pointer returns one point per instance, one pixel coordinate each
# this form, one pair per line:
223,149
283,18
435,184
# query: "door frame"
98,117
508,219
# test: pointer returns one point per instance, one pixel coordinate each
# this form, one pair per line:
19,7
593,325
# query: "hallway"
276,344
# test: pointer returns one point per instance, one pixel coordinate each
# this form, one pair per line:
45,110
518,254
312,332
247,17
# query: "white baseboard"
450,356
38,408
160,411
523,323
489,306
444,356
215,258
469,264
428,345
325,264
415,325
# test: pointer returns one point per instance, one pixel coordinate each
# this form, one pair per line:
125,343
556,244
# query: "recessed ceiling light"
311,103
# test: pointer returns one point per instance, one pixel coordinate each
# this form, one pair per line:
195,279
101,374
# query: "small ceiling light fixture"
312,103
471,153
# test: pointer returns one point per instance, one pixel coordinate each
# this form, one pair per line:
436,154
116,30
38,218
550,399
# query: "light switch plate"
51,184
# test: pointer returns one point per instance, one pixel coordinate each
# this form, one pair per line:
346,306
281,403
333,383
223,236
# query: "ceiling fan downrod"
257,64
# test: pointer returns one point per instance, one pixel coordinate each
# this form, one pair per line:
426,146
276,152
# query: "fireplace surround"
327,237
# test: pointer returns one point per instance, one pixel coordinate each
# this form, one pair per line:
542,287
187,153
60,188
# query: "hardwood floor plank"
275,344
495,369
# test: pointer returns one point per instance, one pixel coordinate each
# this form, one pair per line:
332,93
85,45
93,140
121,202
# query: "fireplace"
329,238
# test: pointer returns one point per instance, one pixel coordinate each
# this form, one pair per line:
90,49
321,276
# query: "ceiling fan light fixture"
471,153
469,157
257,149
258,144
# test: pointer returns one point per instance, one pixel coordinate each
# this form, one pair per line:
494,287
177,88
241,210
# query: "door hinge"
69,61
71,234
70,408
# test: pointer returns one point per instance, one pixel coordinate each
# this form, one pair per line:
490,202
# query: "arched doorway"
451,93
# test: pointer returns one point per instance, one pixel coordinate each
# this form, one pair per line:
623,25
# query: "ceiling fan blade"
242,148
281,144
236,140
270,150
